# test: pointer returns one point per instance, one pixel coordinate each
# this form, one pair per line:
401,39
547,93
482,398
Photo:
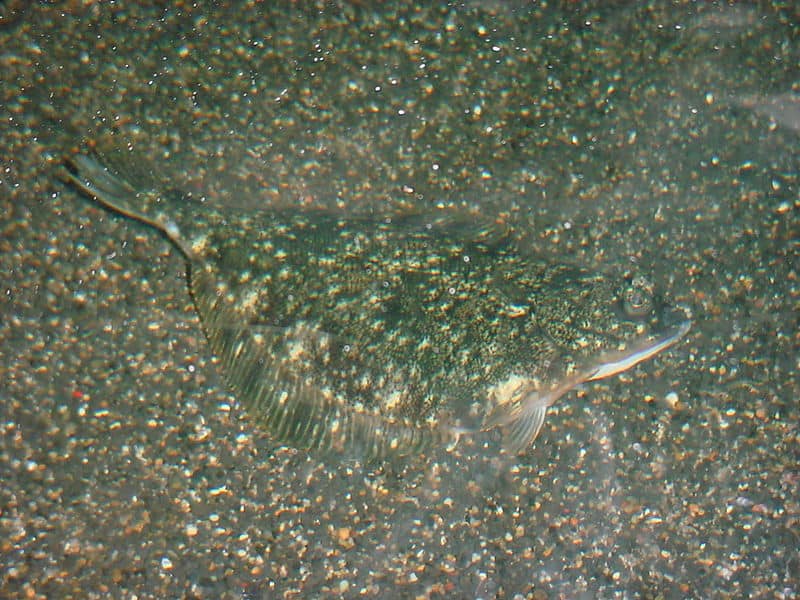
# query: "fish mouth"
622,360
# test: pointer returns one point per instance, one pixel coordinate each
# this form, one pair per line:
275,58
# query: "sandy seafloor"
662,135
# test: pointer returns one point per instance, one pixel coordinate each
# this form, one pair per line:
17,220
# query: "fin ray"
519,424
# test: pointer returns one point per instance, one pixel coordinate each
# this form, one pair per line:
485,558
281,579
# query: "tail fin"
89,175
116,193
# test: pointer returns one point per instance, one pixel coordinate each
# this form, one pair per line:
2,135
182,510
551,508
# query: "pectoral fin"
522,431
519,423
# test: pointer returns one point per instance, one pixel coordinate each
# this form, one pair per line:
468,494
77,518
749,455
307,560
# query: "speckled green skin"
379,336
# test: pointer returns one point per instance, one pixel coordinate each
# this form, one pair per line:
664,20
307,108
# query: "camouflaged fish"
385,337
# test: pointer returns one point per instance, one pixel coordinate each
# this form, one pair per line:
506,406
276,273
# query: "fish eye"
637,298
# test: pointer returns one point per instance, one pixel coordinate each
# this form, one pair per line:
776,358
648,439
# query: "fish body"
386,336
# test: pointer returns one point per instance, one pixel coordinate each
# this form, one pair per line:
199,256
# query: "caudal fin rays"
108,188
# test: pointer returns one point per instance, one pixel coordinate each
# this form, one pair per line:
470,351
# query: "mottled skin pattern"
363,335
406,315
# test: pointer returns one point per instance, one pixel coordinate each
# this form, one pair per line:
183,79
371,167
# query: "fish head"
598,324
586,326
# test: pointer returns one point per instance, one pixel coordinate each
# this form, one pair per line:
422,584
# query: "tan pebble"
672,400
696,510
345,538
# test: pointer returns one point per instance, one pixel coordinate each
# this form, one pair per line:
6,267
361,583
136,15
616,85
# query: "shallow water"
650,136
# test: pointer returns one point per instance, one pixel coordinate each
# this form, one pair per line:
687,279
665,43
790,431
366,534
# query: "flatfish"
379,337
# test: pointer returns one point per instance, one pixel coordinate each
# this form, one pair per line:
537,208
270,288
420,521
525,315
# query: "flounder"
382,337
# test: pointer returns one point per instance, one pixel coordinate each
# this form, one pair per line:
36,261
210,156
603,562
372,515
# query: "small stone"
672,400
